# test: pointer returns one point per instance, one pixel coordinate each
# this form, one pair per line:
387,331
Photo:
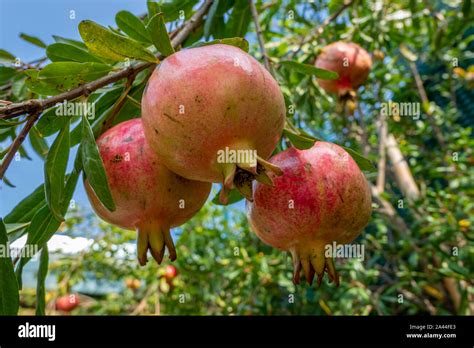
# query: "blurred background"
419,250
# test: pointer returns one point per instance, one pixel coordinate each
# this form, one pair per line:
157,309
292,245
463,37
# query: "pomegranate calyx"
155,237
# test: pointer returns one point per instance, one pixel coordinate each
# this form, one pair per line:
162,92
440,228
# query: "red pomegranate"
67,303
350,61
322,197
170,272
214,114
148,196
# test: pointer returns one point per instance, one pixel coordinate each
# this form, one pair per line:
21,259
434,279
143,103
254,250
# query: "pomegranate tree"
350,61
214,114
322,197
149,197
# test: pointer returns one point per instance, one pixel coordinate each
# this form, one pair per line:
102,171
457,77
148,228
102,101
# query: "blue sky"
43,19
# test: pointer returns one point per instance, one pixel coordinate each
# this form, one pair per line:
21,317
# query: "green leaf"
363,162
68,75
33,40
50,123
8,124
42,227
234,41
172,10
159,35
6,74
409,55
38,143
27,208
6,57
153,8
233,197
12,228
310,70
132,26
300,141
40,282
210,18
239,19
9,295
466,8
75,43
94,167
107,44
54,171
62,52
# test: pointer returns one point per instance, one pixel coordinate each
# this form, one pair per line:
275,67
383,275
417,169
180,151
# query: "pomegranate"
148,196
214,114
67,303
322,197
132,283
170,272
350,61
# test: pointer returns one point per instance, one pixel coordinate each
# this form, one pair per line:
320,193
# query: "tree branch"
261,42
17,143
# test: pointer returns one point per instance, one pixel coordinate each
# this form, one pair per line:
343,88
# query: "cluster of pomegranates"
201,103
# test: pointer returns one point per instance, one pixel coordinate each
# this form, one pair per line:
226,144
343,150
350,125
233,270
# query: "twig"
36,105
17,143
318,31
261,42
382,164
424,99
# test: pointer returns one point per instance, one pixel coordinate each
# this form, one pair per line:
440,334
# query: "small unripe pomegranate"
67,303
214,114
170,272
132,283
322,197
149,197
350,61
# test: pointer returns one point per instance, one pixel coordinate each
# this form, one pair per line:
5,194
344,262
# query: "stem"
17,143
261,42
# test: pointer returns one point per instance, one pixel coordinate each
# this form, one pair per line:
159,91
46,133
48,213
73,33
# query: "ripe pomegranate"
148,196
350,61
214,114
170,272
67,303
322,197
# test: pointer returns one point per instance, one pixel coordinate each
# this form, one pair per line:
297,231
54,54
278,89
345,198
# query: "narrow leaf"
38,143
159,35
6,57
94,167
210,18
310,70
132,26
33,40
54,171
25,210
41,280
107,44
62,52
9,295
75,43
233,197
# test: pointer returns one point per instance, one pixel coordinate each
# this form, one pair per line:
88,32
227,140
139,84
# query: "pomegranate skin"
350,61
322,197
203,100
148,197
67,303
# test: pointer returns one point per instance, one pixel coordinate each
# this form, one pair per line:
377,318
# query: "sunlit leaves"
9,296
159,35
